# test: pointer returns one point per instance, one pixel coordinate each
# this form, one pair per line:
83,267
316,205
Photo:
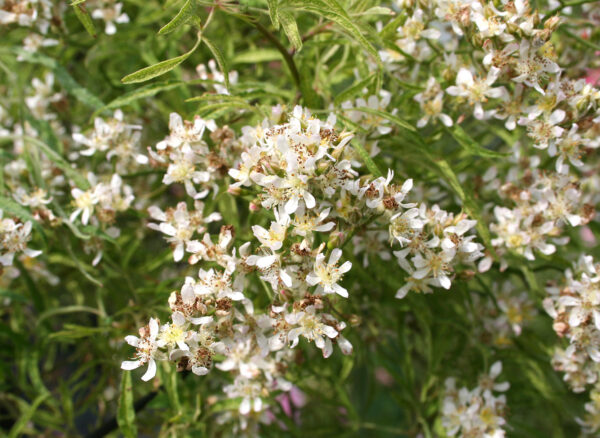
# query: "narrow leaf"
471,145
353,90
26,416
273,13
385,115
71,86
291,29
85,19
470,205
256,56
141,93
364,155
219,58
185,13
161,68
61,163
126,412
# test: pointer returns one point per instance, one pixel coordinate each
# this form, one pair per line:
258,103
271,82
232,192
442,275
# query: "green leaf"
385,115
85,19
353,90
74,331
209,97
364,155
332,10
219,58
291,29
70,85
470,205
307,83
273,12
256,56
471,145
64,310
126,412
26,415
61,163
46,133
144,92
376,10
159,69
187,11
168,377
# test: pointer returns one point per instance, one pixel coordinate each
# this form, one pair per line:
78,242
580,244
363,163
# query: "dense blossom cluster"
294,166
477,412
271,221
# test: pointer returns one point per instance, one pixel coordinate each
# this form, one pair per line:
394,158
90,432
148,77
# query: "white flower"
312,328
274,237
326,275
435,265
111,14
146,350
475,90
85,202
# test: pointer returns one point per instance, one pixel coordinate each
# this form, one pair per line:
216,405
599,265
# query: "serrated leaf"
159,69
219,58
291,29
273,12
70,85
385,115
187,11
126,412
471,145
84,17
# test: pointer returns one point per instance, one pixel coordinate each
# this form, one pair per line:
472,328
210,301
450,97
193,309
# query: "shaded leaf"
126,412
84,17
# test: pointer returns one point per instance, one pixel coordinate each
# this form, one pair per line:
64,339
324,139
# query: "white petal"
151,372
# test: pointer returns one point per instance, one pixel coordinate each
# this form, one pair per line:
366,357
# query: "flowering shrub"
293,218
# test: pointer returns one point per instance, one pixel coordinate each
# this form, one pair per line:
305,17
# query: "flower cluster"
476,412
14,236
113,138
102,201
498,322
433,242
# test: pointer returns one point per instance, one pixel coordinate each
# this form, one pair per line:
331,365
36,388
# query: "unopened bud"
254,207
234,190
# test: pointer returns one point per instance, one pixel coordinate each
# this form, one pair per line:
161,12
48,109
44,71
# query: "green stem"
288,58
